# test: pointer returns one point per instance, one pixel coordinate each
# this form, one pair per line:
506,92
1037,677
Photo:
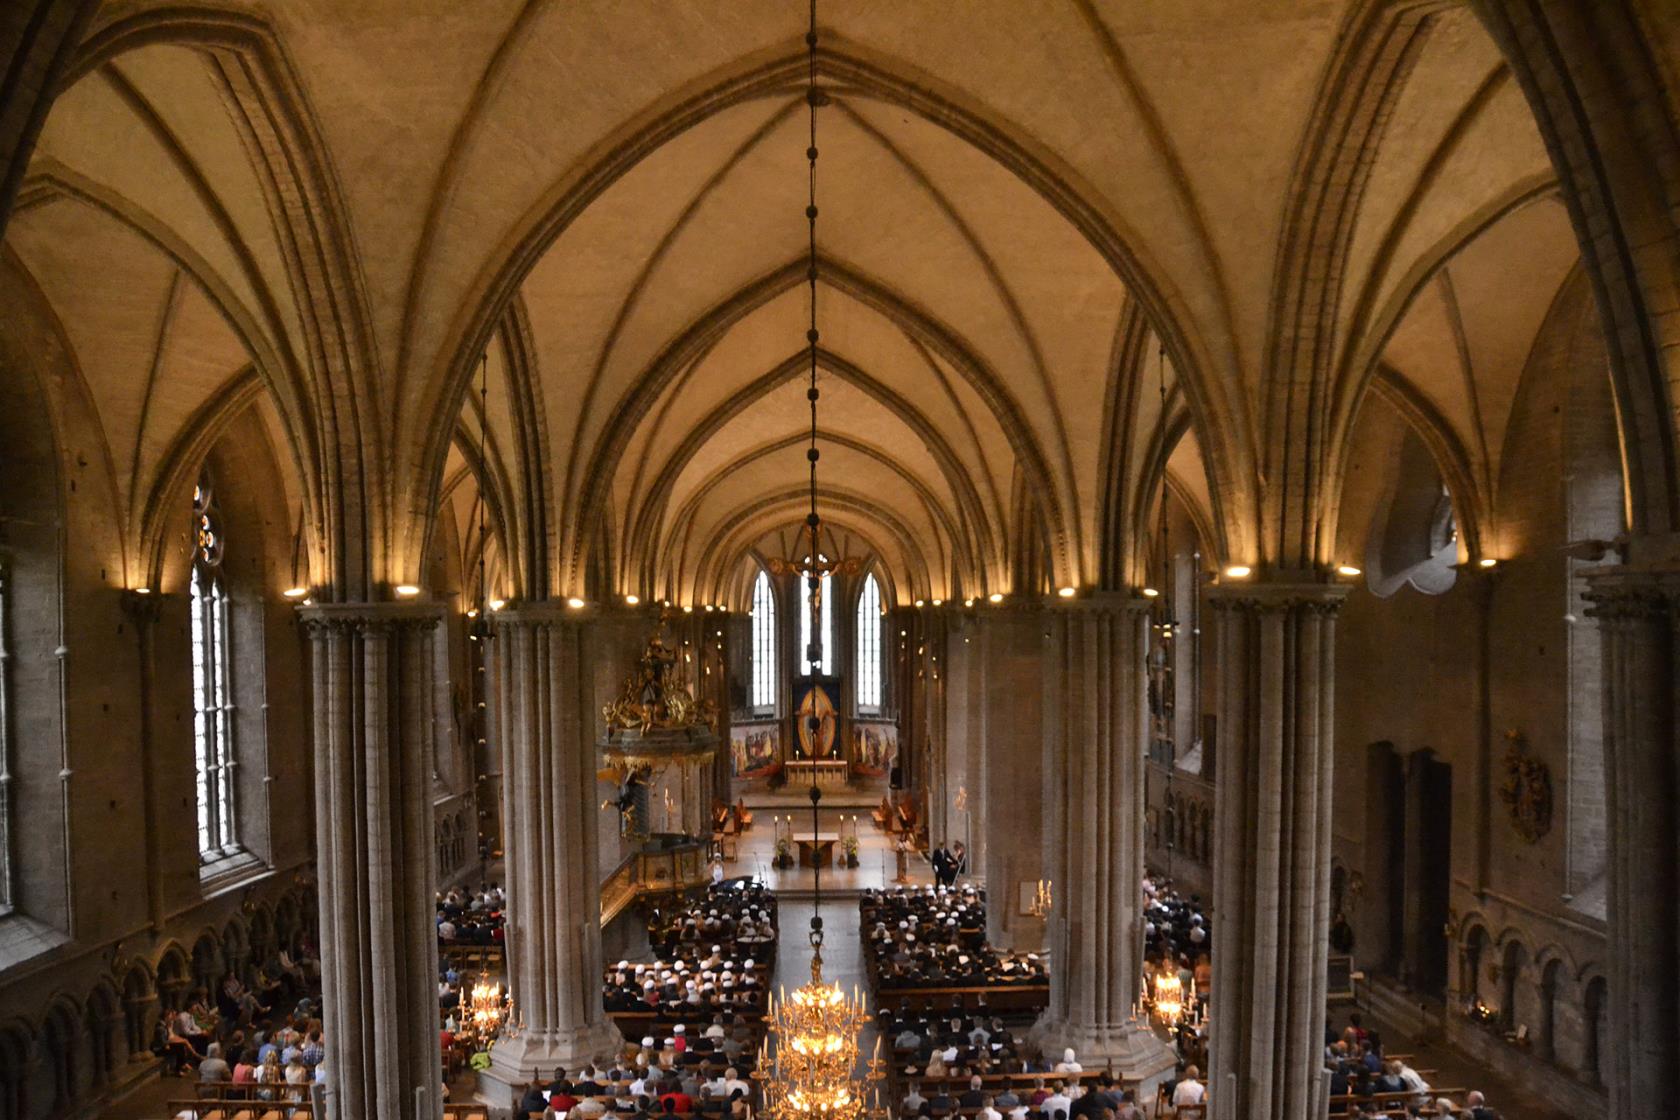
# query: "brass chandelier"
808,1065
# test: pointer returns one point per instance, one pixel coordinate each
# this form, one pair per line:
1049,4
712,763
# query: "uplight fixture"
995,597
574,602
1067,592
1347,570
142,591
496,604
406,590
939,602
1487,561
295,592
1238,571
632,600
920,604
1150,593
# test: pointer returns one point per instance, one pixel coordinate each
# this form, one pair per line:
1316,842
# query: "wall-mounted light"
496,604
575,603
295,592
688,610
632,600
939,602
1347,570
406,590
1067,592
1487,561
1150,593
708,608
995,597
919,604
142,591
968,602
1238,571
472,612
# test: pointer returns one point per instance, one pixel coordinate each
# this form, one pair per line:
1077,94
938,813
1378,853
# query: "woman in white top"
1069,1063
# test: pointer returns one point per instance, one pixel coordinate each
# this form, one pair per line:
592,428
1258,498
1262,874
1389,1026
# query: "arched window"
826,608
869,645
212,697
763,643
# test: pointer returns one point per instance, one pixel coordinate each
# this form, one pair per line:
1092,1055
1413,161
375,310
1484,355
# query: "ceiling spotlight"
1346,570
1066,592
295,592
995,597
1239,571
1150,593
406,590
632,599
574,602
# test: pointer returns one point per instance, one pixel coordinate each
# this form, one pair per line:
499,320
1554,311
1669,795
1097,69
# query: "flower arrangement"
850,847
784,853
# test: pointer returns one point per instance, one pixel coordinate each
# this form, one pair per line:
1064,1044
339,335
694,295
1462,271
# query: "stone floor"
756,849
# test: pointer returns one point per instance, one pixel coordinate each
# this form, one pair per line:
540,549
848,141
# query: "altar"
817,849
828,773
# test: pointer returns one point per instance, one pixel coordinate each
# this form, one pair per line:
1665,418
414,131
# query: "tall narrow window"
764,643
869,645
212,697
826,622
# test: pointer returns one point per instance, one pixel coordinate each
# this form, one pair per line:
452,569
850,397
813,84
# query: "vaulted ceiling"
602,203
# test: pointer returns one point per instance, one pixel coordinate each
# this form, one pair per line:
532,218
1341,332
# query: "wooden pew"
1001,998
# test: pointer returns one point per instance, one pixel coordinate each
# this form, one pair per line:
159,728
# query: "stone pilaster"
543,692
1095,731
372,669
1272,848
1637,618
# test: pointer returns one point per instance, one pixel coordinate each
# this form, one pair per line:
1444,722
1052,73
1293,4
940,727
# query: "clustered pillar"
1637,615
542,688
1096,720
1272,856
372,673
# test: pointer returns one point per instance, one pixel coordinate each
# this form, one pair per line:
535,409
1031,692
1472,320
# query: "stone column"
1637,617
1008,831
372,674
1272,852
1095,734
543,689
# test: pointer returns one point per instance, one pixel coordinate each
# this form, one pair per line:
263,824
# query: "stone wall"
1456,688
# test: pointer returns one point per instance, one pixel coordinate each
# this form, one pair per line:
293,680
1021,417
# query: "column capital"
1265,596
1100,602
318,618
1632,593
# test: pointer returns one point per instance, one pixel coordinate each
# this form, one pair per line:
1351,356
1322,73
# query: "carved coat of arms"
1526,790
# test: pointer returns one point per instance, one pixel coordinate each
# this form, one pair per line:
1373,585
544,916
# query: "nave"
506,456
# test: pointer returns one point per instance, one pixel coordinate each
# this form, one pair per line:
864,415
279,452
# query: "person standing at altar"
941,860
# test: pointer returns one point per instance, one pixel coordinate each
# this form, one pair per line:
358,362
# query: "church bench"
1006,997
1348,1104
